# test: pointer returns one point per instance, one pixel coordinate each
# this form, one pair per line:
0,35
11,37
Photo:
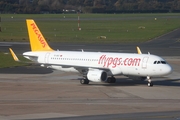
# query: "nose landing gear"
150,84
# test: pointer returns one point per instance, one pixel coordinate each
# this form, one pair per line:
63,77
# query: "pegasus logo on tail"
40,38
37,40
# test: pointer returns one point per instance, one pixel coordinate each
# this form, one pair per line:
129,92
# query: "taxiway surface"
39,93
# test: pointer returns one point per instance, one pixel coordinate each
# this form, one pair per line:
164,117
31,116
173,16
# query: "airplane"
94,66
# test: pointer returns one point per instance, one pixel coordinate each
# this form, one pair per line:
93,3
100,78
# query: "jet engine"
97,75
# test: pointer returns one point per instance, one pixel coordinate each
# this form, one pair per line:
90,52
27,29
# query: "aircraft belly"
68,69
115,71
131,71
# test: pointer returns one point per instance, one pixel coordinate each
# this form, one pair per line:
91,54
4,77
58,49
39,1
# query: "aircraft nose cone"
168,70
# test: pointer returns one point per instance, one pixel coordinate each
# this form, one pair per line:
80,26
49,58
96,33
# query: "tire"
150,84
113,80
108,80
84,81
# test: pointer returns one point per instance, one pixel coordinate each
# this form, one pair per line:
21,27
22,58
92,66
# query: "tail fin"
37,40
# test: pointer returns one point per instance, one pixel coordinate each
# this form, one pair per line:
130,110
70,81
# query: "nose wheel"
150,84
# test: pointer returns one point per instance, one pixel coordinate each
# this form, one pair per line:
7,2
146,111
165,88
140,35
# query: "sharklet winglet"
138,50
14,55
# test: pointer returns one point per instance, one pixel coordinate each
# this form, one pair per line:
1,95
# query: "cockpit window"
160,62
163,62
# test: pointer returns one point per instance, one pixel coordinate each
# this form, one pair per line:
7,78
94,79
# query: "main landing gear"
84,81
150,84
111,79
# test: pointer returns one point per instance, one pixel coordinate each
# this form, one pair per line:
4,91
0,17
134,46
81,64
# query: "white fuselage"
114,63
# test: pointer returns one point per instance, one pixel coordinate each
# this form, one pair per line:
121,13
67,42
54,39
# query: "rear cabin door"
46,59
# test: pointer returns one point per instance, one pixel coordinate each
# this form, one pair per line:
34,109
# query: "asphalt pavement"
36,93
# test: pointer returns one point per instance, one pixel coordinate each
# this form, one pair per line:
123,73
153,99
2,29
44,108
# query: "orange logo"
37,32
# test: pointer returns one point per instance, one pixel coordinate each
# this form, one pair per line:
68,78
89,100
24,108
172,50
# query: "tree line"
89,6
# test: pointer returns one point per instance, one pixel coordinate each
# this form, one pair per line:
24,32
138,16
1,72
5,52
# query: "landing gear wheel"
108,80
84,81
111,79
150,84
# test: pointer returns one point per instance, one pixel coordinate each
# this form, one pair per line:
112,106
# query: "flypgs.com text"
118,61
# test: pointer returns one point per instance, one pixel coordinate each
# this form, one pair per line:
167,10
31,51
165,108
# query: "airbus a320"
94,66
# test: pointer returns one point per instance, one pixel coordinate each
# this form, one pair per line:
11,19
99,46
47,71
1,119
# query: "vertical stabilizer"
37,40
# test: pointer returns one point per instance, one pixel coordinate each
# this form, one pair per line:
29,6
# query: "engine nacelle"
97,75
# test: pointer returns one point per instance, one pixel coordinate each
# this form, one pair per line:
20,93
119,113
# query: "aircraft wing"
81,69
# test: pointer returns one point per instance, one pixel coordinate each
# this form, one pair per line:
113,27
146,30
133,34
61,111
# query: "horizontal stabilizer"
14,55
17,60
